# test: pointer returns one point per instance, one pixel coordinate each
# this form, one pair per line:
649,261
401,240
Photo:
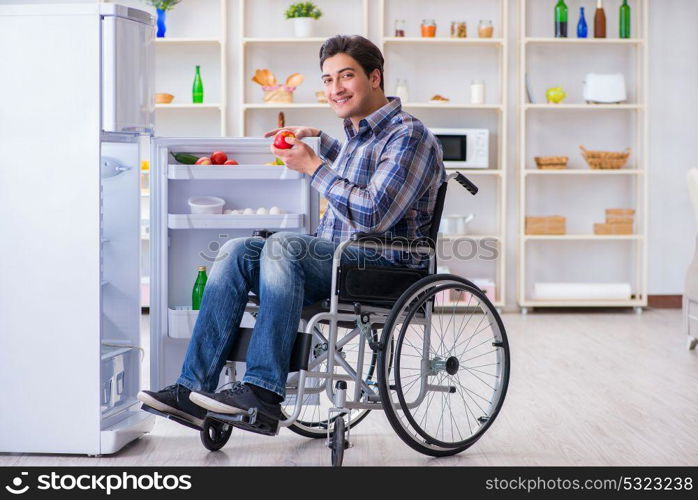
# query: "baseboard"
665,301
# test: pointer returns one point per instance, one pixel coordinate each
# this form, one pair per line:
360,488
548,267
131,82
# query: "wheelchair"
428,349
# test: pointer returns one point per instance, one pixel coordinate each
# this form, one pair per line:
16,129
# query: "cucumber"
185,158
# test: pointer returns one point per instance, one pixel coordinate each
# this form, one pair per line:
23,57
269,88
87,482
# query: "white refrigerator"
81,104
76,101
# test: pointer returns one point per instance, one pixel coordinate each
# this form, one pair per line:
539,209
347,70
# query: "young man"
384,178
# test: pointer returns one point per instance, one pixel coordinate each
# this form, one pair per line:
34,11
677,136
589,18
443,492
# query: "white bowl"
206,205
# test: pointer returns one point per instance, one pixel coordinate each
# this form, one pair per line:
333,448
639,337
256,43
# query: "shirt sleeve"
401,177
329,147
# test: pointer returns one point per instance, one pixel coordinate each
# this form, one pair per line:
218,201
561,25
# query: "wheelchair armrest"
416,245
262,233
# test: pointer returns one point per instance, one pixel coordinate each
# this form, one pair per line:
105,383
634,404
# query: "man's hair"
362,49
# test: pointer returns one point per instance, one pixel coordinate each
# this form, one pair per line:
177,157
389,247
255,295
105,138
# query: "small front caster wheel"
338,442
215,434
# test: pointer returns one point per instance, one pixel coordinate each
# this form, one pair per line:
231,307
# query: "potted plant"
161,7
304,14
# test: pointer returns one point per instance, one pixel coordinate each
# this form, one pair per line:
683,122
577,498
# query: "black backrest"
438,210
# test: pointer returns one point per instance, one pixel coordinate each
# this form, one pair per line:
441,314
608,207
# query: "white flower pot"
303,26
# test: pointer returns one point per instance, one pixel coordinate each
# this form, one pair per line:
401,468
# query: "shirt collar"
377,120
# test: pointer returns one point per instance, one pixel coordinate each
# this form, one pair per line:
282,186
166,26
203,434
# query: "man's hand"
300,157
298,131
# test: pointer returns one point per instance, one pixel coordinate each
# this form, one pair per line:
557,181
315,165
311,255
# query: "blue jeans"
286,271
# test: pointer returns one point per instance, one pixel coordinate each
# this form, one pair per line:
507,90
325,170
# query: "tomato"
204,160
231,162
219,158
280,139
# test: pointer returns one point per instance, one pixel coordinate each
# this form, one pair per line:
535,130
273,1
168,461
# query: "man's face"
347,87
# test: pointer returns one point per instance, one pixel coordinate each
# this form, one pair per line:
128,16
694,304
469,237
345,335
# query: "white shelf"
231,172
577,237
284,40
234,221
443,40
476,171
189,106
582,303
455,237
584,41
451,105
584,171
586,107
188,41
286,105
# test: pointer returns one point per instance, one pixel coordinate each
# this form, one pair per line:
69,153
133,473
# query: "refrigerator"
81,108
77,102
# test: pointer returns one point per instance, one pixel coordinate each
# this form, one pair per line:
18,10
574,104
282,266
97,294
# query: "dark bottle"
582,28
624,20
600,21
198,292
561,19
197,91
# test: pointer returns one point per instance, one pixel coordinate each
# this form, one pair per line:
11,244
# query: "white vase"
303,26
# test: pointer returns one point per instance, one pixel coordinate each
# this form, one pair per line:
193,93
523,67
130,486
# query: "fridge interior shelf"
231,172
234,221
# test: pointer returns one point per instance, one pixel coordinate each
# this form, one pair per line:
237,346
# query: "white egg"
228,211
248,211
237,212
275,210
262,211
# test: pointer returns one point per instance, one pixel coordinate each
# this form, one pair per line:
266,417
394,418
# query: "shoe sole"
149,400
213,405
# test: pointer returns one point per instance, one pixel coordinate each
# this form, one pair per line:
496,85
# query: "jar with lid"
485,29
399,28
477,92
459,29
401,90
428,28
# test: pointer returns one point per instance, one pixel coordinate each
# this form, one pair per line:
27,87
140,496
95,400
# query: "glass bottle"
428,28
582,28
197,93
198,292
485,29
399,28
401,91
624,20
561,19
600,21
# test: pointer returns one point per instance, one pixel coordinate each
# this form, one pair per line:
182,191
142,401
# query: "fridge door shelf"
120,366
180,322
231,172
234,221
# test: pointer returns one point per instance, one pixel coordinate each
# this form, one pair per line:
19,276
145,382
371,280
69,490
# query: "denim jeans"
286,271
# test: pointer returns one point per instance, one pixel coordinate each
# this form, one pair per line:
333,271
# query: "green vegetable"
185,158
303,9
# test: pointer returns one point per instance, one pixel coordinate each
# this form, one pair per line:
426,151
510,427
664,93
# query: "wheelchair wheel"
215,435
338,442
312,421
450,370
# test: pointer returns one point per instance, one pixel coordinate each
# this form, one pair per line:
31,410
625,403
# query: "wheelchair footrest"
252,421
174,418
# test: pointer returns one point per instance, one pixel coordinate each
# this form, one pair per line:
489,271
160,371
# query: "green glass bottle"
624,20
197,92
198,292
561,19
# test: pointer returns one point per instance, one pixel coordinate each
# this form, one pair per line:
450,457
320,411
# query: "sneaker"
238,399
174,400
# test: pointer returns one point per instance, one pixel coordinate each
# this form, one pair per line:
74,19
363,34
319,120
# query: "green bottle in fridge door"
197,92
198,292
624,20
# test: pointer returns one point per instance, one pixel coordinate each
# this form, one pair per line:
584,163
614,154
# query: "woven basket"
551,162
605,159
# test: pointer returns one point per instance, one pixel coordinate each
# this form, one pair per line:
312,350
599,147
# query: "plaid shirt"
383,179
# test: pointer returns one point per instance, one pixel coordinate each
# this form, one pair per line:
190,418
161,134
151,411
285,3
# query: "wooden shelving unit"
499,43
633,173
221,43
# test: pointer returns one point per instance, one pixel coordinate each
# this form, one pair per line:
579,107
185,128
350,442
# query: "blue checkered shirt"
383,179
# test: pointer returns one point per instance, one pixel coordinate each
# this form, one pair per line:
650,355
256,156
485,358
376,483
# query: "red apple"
231,162
204,160
280,139
219,158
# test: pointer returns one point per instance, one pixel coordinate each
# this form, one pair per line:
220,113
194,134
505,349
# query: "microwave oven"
464,147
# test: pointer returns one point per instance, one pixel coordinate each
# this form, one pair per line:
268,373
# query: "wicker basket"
277,94
605,159
551,162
